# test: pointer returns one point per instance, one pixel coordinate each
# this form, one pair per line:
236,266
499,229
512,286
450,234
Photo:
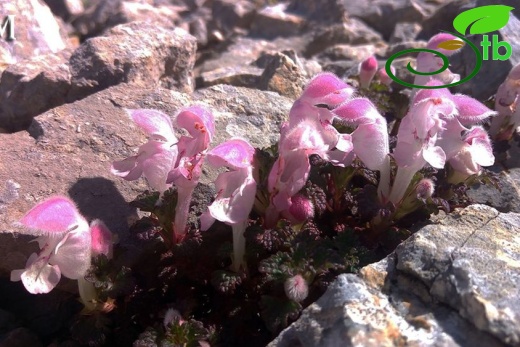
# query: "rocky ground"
75,65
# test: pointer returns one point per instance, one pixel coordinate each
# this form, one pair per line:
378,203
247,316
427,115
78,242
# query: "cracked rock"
453,283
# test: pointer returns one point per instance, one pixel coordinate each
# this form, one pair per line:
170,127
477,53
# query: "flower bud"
367,71
101,239
383,76
301,209
425,188
172,316
296,288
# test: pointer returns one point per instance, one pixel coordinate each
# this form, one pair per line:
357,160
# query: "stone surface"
70,149
240,76
32,87
36,31
102,15
439,288
274,21
283,75
405,32
138,52
351,32
66,9
228,15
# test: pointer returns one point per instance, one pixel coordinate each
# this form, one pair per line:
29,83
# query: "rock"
284,76
71,148
442,18
274,21
405,32
28,89
37,31
103,15
138,52
352,32
493,72
401,46
439,288
507,199
329,11
349,53
383,15
228,15
66,9
240,76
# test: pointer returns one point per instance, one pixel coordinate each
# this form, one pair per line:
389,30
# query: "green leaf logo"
483,19
451,45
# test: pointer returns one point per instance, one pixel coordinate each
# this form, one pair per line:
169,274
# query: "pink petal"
357,111
154,123
328,89
156,160
367,71
237,190
54,216
234,154
435,156
101,238
39,277
371,144
72,254
471,111
127,168
434,42
198,121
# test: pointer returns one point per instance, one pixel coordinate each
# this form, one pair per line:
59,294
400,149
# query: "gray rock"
328,11
351,32
274,21
103,15
227,15
405,32
36,32
65,9
383,15
240,76
350,53
283,75
439,288
32,87
138,52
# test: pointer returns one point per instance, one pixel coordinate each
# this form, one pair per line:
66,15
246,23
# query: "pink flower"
383,76
65,245
367,71
471,152
507,103
185,173
236,191
431,132
370,139
155,158
428,62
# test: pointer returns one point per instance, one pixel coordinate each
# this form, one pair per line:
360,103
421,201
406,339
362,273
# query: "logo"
8,26
480,20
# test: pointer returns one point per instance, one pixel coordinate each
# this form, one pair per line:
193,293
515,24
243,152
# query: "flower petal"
234,154
53,216
39,277
471,111
154,123
72,254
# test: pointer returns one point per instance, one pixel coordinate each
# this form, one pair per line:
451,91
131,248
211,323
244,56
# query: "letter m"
9,26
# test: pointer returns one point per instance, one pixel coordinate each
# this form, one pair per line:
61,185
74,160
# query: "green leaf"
483,19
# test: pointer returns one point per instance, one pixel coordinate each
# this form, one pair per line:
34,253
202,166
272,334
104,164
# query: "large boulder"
455,282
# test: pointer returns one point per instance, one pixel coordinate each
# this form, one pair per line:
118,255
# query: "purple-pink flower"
236,190
155,158
65,245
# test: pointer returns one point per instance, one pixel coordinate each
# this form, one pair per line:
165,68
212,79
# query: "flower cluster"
507,104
